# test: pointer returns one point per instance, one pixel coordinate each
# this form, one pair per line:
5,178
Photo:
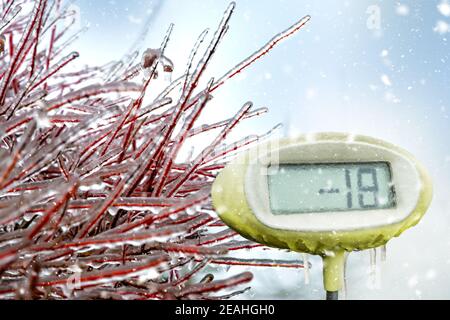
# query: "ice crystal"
92,201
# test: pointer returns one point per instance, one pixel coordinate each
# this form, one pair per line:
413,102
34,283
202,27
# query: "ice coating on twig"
94,202
263,51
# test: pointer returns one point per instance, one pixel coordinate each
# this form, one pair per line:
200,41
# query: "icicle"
373,264
343,291
375,269
383,253
306,268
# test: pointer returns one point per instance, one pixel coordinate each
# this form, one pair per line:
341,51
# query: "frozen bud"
2,44
168,68
153,56
149,57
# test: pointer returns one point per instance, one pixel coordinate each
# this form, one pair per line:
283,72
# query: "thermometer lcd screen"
310,188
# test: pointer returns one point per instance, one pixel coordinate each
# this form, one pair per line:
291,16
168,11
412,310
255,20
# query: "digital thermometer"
324,194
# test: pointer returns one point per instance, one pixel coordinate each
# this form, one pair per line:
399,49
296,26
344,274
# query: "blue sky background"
338,74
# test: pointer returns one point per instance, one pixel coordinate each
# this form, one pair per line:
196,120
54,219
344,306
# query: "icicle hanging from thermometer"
306,269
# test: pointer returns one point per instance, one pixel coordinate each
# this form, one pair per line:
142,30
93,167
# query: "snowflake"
442,27
444,8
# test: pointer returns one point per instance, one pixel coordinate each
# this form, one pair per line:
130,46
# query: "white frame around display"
405,179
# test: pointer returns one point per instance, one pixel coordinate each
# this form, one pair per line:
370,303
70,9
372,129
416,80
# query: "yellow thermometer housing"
323,194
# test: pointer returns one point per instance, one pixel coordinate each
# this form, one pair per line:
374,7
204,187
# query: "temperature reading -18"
309,188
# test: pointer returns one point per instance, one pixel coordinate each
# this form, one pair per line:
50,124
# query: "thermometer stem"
333,273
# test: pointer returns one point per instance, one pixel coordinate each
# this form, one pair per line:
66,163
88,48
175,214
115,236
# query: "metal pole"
332,295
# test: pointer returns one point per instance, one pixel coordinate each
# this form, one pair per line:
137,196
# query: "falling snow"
385,77
444,8
402,10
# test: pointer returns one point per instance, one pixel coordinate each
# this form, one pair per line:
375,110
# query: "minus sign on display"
329,191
